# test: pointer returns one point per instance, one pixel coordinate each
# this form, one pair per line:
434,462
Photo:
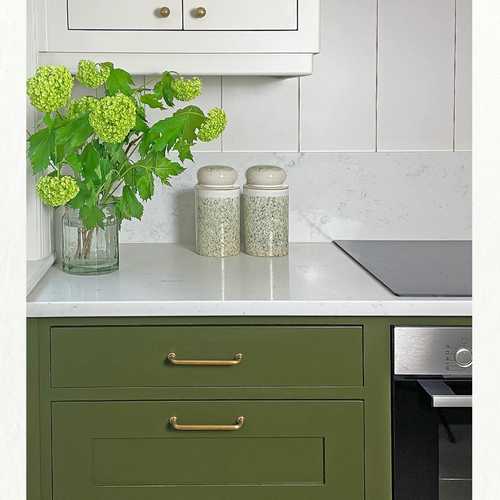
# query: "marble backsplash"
335,196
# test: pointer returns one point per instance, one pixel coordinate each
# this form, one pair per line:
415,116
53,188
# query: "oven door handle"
443,396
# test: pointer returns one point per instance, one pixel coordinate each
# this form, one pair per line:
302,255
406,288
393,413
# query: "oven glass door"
432,426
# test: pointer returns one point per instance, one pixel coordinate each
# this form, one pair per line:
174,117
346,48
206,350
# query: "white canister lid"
266,176
217,176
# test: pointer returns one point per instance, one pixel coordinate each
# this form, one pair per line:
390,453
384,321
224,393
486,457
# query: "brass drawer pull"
240,421
172,358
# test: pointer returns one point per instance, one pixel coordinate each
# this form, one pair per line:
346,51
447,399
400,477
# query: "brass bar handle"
172,358
240,421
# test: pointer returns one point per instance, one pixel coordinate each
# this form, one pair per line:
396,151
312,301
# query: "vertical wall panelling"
338,102
263,114
38,216
416,75
463,78
210,98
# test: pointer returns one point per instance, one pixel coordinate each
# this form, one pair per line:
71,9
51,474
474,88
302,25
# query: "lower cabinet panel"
285,450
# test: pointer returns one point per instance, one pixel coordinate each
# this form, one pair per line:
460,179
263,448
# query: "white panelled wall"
39,232
393,75
393,80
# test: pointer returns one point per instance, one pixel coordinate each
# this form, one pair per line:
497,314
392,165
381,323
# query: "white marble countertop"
317,279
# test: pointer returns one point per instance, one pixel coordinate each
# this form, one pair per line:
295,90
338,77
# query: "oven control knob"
463,357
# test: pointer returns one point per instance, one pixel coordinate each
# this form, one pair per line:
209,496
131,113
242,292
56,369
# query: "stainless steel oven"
432,413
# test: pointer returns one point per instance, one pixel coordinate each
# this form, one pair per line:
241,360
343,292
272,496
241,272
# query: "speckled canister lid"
217,176
266,176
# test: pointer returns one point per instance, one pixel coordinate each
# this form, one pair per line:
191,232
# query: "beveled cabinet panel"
236,15
275,356
124,15
288,450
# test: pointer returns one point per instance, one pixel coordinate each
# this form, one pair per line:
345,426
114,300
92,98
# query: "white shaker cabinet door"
124,15
239,15
463,83
416,75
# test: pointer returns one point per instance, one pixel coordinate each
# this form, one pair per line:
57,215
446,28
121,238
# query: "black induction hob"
416,268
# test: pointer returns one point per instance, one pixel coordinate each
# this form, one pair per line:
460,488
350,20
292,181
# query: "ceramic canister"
265,211
217,212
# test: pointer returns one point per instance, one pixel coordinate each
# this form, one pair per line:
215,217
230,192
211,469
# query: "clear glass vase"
89,251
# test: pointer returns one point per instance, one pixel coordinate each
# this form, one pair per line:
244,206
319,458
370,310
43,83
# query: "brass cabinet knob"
164,12
199,12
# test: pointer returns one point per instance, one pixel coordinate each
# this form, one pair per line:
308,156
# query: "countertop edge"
425,307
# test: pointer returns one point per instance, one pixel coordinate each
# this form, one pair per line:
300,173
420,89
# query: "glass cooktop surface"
416,268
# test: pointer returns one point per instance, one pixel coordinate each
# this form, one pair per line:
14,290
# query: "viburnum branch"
107,123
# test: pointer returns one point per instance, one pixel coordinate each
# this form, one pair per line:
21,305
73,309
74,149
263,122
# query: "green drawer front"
273,356
284,451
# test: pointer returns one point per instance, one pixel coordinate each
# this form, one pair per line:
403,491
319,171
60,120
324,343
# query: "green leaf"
105,167
74,132
165,168
168,131
115,152
90,162
163,89
152,101
184,150
75,162
84,195
147,140
128,205
92,216
145,185
119,81
140,124
40,148
192,118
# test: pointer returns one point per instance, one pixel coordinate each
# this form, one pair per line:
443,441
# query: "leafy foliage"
85,135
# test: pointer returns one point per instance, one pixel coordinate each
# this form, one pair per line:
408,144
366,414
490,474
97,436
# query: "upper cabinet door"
238,15
416,75
125,15
463,83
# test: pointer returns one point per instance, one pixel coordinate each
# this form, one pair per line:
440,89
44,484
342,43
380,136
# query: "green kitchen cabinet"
314,394
284,450
263,356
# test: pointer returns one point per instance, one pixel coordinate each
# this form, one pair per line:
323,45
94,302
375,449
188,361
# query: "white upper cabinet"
416,65
204,37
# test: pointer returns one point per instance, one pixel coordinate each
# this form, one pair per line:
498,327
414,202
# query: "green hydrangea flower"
213,126
92,74
186,90
113,117
57,191
84,104
50,88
